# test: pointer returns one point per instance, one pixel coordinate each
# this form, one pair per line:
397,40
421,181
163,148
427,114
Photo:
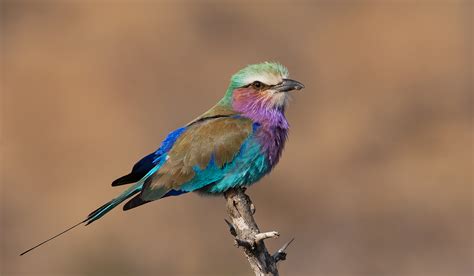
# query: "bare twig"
280,255
247,235
262,236
231,228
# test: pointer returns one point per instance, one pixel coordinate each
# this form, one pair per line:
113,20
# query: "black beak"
288,85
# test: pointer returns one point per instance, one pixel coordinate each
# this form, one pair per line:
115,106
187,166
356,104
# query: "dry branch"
248,236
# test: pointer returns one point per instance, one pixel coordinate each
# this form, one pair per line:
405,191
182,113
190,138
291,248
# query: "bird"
232,145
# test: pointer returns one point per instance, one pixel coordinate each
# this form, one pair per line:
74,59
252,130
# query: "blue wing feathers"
147,163
168,143
139,170
248,166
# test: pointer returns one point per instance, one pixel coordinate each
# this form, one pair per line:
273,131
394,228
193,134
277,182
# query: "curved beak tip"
299,86
290,85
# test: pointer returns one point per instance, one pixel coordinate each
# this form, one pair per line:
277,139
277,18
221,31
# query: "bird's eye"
257,84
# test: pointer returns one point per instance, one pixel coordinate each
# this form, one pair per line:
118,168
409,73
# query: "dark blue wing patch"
142,167
139,170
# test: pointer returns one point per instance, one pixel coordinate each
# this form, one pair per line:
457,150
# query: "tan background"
376,178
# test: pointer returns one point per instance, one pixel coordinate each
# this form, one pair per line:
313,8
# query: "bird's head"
260,87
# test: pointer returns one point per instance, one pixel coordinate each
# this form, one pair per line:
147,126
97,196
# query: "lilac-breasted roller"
233,144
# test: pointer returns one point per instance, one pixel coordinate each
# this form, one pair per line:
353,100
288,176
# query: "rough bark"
248,236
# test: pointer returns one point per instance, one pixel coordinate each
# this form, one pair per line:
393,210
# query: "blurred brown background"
376,178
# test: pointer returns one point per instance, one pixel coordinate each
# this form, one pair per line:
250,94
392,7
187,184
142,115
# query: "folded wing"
197,157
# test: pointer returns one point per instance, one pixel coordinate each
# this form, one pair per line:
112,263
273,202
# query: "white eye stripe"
266,78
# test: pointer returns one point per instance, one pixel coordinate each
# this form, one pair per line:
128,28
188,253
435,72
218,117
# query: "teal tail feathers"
98,213
104,209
